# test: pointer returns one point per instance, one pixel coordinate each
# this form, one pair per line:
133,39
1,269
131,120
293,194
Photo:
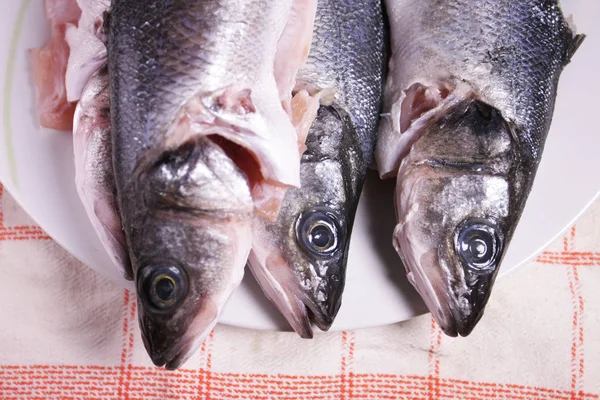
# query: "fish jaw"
425,278
173,353
276,280
301,290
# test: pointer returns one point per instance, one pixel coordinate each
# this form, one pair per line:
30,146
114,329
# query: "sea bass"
468,104
300,259
198,120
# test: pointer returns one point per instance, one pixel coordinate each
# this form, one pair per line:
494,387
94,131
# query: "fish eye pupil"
478,245
477,248
165,288
318,232
320,236
162,286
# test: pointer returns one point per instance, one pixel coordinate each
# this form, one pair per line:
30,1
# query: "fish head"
190,236
300,258
458,199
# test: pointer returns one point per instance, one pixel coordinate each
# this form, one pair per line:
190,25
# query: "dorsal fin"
576,41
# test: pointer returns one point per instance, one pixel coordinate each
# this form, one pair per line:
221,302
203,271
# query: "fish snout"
171,340
469,306
327,302
169,357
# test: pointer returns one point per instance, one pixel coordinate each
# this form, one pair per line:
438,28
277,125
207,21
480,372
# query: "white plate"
36,167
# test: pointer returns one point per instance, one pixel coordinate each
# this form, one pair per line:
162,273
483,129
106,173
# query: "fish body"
197,122
300,258
467,106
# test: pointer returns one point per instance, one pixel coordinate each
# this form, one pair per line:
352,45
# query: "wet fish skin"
219,53
347,55
468,105
183,95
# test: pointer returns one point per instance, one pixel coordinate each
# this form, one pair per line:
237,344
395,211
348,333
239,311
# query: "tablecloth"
67,332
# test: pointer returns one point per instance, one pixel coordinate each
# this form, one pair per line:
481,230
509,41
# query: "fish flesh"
49,66
467,107
300,258
197,124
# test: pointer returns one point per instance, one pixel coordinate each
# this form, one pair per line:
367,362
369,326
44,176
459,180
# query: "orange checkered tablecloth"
66,332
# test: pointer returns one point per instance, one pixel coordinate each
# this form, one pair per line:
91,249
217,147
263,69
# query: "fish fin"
293,47
576,41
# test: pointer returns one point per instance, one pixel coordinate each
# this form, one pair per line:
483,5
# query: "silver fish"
468,104
300,259
197,124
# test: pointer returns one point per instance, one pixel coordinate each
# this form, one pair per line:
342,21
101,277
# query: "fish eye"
478,244
162,286
318,232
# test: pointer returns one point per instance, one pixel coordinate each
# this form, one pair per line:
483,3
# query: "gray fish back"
347,53
161,52
511,51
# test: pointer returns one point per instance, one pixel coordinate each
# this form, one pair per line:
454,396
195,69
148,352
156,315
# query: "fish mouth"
449,316
324,314
174,358
171,348
285,290
173,355
452,318
275,278
455,314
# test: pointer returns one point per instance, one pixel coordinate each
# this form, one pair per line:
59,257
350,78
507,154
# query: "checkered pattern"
66,332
